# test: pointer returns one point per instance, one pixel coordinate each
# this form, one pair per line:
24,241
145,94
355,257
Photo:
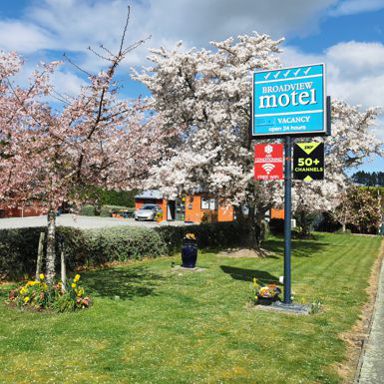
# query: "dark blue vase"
189,253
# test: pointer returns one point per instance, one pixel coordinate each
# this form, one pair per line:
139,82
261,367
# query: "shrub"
215,235
18,251
88,210
122,244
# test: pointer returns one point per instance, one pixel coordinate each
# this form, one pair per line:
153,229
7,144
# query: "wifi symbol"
268,168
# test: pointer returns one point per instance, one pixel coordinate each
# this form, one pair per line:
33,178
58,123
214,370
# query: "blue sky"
348,35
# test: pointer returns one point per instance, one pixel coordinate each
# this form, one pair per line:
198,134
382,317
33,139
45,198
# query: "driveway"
82,222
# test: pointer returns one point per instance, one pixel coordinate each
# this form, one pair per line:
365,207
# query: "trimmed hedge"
18,251
18,247
215,235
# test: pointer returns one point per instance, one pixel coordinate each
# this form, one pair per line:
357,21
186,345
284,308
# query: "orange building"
155,197
277,213
205,208
193,209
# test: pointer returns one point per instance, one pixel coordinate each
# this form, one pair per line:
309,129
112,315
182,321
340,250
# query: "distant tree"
369,179
360,208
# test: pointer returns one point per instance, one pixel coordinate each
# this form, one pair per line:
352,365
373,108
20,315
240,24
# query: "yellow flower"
77,278
41,276
73,285
23,290
26,299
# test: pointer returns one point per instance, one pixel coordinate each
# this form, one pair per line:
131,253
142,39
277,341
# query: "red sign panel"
269,161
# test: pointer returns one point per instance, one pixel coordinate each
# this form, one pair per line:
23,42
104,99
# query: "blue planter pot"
189,254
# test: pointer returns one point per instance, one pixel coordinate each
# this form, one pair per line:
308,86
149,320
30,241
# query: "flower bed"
38,295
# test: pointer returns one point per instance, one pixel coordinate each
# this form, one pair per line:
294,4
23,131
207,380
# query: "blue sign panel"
289,101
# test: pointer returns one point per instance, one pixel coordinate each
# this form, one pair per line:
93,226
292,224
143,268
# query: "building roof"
150,194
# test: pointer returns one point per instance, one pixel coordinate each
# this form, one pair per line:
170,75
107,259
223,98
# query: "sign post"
287,219
287,103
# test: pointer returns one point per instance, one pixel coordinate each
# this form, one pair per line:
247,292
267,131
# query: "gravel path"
82,222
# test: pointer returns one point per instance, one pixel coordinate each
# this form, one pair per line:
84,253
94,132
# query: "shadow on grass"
248,274
262,253
124,284
300,248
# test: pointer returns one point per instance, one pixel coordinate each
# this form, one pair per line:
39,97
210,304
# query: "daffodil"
41,276
77,278
26,299
73,285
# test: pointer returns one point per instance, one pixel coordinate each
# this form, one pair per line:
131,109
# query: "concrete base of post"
294,309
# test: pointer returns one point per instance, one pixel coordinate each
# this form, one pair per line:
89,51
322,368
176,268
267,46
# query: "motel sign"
289,101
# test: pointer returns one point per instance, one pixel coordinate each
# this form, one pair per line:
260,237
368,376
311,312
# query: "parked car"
147,212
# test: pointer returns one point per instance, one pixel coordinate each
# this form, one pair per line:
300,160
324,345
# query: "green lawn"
150,324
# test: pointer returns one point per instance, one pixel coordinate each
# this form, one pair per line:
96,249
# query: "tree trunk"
40,252
261,226
63,269
51,241
258,227
344,223
253,235
305,225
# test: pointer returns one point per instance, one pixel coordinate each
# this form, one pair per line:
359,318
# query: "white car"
147,212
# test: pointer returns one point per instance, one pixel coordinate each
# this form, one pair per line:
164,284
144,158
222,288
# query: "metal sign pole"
287,219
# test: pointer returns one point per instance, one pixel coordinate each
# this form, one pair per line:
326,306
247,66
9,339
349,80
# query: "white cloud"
199,21
350,7
355,70
71,26
24,37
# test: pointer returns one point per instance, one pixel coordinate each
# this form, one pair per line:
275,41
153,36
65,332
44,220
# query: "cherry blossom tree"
207,93
361,208
96,138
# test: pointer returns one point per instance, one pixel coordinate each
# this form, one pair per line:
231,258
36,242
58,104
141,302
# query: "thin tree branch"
76,66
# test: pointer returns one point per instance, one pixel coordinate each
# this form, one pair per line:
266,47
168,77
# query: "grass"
152,324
